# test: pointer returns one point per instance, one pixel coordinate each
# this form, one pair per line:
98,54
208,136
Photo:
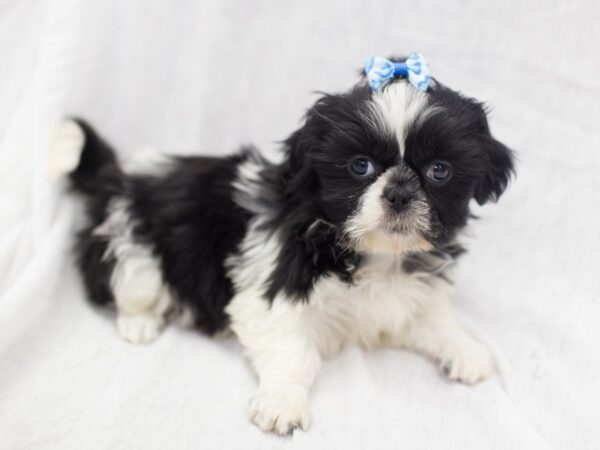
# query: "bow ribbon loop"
380,71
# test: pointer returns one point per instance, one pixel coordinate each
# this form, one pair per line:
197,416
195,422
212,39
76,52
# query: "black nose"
397,197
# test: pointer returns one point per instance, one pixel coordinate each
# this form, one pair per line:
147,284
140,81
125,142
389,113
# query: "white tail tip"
66,145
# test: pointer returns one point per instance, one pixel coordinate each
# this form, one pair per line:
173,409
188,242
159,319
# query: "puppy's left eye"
362,167
439,172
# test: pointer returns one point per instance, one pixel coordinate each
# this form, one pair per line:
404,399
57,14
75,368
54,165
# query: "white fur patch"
396,108
66,144
257,258
248,185
147,161
258,252
136,281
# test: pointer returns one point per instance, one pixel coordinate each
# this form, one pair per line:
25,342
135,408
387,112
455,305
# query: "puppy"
348,238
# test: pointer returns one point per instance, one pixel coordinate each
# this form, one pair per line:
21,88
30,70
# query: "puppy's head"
395,169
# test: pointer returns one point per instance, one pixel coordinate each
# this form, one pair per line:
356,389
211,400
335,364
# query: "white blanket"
205,76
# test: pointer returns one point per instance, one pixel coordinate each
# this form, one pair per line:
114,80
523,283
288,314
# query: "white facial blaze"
393,110
396,108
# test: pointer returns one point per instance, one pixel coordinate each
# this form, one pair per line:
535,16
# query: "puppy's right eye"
439,172
362,167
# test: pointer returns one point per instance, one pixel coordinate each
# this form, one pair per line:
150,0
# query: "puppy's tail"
76,150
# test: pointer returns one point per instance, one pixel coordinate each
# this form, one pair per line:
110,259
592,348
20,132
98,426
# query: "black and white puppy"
347,239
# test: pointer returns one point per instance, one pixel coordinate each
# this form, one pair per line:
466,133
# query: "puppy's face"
395,170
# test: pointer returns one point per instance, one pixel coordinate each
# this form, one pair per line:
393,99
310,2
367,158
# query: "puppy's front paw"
280,408
467,361
139,328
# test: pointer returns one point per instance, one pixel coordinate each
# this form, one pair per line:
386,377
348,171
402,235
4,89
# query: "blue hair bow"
380,71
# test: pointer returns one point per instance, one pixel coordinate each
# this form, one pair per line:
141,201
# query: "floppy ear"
498,171
302,144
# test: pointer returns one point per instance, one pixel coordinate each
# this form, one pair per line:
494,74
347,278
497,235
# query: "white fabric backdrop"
203,77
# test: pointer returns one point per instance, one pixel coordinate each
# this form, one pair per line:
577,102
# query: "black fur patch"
434,263
307,256
100,178
95,266
189,217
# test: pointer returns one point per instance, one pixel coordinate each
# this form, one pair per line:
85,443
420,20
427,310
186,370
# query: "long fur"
300,257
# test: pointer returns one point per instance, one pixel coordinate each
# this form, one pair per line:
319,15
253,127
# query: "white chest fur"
371,311
375,308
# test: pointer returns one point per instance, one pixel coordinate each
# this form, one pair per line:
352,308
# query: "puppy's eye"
362,167
439,172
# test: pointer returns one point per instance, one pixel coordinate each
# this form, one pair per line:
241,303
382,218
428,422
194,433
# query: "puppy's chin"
390,243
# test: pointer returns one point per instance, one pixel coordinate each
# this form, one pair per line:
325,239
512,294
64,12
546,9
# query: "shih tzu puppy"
348,238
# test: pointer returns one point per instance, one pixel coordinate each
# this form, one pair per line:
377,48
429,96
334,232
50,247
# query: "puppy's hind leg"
141,297
138,288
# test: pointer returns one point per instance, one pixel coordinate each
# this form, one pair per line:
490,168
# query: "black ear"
302,145
499,167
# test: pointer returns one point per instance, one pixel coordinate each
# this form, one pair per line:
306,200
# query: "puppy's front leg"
278,340
437,332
